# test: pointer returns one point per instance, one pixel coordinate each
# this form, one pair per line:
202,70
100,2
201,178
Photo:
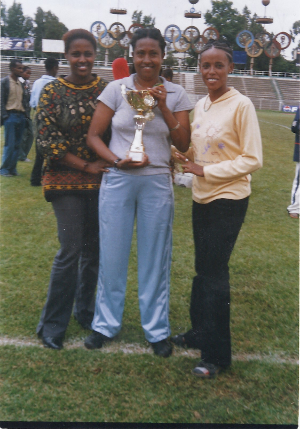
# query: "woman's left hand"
127,163
160,94
190,166
97,167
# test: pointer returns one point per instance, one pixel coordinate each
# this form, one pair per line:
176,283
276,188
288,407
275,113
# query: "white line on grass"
125,348
272,123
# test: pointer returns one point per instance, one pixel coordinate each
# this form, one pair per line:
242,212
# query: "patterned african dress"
63,118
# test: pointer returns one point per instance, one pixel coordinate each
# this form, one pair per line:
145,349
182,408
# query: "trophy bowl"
142,102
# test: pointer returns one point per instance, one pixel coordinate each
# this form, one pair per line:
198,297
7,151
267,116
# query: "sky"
81,14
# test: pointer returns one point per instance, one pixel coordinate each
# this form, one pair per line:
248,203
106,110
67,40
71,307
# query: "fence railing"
259,103
178,69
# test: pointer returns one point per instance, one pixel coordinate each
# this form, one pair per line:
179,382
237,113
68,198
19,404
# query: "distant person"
120,68
13,117
27,139
168,74
71,182
293,209
51,66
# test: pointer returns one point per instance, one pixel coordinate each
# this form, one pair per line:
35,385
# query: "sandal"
294,215
206,370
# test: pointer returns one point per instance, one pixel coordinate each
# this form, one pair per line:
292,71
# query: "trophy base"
136,156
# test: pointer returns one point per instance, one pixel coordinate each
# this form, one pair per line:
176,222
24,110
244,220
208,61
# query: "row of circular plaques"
263,42
191,38
182,41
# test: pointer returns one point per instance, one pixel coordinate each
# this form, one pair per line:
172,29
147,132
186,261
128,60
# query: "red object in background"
120,68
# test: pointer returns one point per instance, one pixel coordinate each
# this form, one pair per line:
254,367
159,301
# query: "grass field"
124,381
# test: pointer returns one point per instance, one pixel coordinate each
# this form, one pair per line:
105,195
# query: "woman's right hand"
190,166
127,163
97,167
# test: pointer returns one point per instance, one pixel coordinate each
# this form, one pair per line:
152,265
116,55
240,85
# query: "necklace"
136,83
206,110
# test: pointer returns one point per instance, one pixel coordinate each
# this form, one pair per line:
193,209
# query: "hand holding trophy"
143,103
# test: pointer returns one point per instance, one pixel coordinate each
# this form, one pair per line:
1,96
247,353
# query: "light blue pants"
149,199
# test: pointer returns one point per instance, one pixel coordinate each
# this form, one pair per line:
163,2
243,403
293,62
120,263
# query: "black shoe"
35,184
190,339
53,342
95,340
162,348
84,323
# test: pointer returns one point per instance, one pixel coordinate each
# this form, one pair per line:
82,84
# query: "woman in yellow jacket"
226,146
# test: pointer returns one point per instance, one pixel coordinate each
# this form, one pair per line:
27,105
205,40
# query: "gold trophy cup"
143,103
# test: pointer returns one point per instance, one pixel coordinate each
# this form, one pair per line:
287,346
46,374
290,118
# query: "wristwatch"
116,162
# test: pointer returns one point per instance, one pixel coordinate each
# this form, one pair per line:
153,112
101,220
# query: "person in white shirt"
51,65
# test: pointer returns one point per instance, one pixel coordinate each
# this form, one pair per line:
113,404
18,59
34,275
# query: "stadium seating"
265,93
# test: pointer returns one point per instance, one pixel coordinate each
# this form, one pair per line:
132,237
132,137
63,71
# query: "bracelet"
116,162
175,128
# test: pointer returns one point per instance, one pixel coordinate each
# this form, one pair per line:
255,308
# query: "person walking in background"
294,209
168,74
138,190
13,117
227,148
51,66
71,182
27,139
120,68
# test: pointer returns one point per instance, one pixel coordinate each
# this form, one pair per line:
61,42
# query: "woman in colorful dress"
226,147
71,181
138,190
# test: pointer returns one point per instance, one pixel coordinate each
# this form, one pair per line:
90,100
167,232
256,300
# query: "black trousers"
36,174
74,272
216,226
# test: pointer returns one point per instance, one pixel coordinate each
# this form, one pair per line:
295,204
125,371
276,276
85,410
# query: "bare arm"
74,161
178,122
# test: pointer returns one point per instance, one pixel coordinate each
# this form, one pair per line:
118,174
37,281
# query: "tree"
54,29
3,20
146,21
296,28
170,60
16,24
48,26
228,21
39,30
294,32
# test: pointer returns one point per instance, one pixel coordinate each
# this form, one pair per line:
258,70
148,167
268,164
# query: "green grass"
97,387
80,385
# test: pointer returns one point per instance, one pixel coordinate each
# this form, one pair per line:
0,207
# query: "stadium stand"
265,92
289,89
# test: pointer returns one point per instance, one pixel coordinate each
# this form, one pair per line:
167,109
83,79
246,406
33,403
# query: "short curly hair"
78,33
14,62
